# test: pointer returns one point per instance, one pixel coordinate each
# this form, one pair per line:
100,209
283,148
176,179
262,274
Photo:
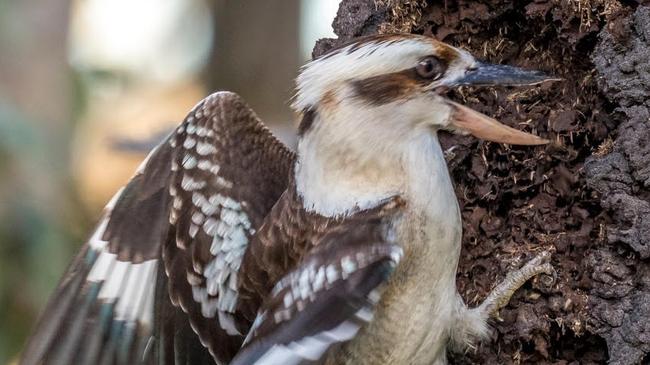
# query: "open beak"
480,125
483,127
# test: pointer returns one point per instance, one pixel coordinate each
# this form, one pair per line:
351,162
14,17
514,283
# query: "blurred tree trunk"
256,54
586,196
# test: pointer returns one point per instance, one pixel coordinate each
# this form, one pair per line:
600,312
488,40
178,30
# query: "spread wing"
329,294
228,173
154,282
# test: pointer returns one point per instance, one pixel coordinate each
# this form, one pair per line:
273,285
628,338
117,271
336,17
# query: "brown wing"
228,173
329,294
141,287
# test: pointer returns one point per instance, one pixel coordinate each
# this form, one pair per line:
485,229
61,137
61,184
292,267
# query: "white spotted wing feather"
228,172
157,281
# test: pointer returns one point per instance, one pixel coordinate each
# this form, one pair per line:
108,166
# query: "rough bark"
620,299
586,196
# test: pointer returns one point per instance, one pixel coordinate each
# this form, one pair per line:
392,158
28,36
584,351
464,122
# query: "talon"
500,296
550,275
539,260
549,270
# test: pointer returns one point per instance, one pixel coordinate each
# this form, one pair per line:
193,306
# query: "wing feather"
229,170
326,299
136,292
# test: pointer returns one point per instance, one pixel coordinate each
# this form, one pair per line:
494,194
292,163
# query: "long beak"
483,127
485,74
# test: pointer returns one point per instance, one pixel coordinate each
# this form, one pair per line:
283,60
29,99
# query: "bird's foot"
471,325
500,296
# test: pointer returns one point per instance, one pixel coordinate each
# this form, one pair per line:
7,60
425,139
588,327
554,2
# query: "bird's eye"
430,68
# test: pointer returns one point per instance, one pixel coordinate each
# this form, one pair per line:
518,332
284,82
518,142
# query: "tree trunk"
586,195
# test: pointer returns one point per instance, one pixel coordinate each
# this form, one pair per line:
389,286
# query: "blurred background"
87,87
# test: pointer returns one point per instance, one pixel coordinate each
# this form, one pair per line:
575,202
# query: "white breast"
413,319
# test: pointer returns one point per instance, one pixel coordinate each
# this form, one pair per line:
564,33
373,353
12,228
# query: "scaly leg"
500,296
471,324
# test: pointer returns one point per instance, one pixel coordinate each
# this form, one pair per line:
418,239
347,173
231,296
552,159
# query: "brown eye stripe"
383,89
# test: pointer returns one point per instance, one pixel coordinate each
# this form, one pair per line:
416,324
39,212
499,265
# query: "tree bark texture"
585,196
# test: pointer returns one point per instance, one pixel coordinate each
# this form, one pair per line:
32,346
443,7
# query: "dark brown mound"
586,195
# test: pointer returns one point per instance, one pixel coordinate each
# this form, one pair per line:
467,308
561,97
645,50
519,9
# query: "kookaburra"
227,247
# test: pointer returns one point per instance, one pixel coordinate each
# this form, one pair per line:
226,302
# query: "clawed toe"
500,296
541,264
542,258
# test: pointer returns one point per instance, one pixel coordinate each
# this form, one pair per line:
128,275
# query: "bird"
227,247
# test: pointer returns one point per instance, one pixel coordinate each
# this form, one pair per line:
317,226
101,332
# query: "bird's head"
371,111
395,82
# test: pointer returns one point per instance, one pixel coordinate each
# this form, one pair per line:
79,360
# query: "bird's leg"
500,296
472,323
